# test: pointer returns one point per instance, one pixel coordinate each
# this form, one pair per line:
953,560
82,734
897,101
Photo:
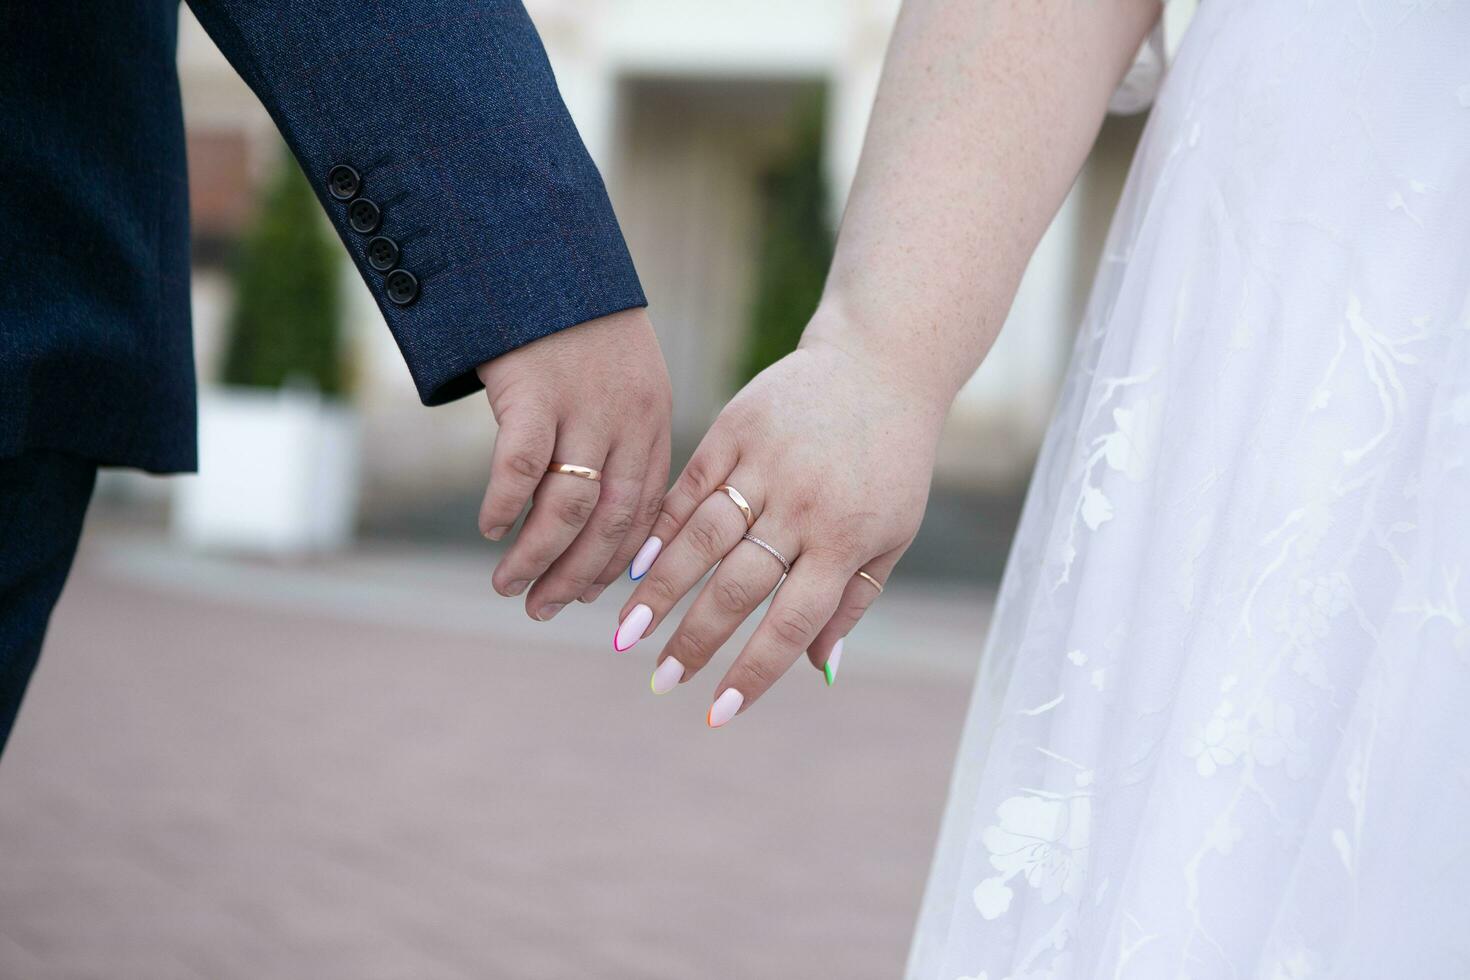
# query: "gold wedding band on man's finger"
572,469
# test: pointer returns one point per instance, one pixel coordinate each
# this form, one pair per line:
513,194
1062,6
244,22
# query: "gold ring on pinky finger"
740,501
572,469
871,580
768,549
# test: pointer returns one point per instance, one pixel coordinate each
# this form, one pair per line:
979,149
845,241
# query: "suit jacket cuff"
439,145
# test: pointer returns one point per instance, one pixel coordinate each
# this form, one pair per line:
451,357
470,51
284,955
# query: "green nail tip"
830,673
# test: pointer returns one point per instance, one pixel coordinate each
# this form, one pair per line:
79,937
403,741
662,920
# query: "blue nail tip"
633,577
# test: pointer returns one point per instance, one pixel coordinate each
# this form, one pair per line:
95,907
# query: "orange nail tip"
724,708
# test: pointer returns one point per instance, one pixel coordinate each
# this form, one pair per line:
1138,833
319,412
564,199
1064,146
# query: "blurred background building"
688,107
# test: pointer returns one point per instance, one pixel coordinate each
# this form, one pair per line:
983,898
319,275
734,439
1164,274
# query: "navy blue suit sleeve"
497,225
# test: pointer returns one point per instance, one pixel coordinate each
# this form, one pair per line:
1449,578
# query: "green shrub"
795,246
286,324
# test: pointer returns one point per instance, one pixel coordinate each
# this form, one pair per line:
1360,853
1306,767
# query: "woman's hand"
833,456
833,446
597,396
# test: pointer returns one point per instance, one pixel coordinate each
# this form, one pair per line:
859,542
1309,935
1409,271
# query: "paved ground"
372,768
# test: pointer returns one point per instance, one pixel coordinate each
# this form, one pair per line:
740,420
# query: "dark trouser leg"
43,498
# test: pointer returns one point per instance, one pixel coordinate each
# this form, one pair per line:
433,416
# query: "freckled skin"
985,114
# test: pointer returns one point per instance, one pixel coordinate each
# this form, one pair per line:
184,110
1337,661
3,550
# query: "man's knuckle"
616,526
525,464
574,511
651,508
646,400
560,588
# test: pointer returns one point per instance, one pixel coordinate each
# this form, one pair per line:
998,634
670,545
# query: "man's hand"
594,395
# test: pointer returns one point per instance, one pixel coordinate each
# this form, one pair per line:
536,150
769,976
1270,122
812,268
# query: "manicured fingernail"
643,561
724,707
666,676
834,659
630,630
549,610
516,588
592,593
496,533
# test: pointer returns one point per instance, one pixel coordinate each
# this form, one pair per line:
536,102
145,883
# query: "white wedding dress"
1222,723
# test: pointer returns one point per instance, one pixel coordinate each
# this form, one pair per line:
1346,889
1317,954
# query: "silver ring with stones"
768,549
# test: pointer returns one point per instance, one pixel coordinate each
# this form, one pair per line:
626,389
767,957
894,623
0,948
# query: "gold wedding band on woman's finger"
870,580
739,500
572,469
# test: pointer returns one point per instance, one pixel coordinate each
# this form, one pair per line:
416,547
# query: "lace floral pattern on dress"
1220,728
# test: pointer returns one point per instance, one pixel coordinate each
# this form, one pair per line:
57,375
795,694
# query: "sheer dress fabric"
1221,727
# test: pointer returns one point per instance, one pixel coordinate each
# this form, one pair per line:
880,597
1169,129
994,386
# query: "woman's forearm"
984,115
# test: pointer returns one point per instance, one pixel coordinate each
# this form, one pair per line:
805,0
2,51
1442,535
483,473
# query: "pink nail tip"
667,676
645,558
630,630
725,707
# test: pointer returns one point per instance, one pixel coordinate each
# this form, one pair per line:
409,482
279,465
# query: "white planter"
278,473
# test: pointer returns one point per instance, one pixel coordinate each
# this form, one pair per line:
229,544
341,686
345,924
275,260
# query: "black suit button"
343,182
403,288
382,253
364,216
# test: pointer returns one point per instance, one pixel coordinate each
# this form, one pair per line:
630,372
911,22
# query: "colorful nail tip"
666,676
725,707
645,558
631,629
834,660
